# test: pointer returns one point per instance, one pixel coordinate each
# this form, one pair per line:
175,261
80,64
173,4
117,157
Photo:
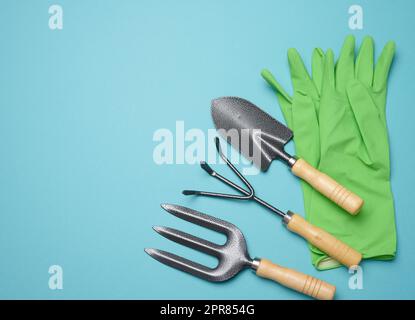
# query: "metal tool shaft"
255,198
238,188
247,195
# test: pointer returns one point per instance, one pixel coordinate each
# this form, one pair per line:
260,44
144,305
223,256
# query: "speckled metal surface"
261,138
233,255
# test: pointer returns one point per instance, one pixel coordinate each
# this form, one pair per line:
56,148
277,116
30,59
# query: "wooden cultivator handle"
323,240
328,187
295,280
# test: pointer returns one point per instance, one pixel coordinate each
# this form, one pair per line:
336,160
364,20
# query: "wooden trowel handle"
327,186
295,280
323,240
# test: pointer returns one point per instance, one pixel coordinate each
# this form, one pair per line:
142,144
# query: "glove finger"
345,64
306,136
299,74
383,66
328,75
268,77
364,62
369,121
284,99
327,108
317,68
306,129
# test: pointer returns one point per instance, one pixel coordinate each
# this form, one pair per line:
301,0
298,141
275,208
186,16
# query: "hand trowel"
261,138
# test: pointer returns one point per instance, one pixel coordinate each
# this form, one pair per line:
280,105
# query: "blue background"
78,109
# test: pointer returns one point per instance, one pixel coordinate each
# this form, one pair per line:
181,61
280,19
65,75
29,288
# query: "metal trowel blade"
255,134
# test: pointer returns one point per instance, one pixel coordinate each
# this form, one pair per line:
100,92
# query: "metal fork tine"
199,218
181,263
189,240
233,255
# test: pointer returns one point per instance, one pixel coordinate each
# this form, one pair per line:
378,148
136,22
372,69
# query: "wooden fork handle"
295,280
323,240
328,187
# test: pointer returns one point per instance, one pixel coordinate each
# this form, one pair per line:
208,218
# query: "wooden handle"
295,280
327,186
323,240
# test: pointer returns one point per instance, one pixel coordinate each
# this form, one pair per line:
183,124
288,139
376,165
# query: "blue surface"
78,109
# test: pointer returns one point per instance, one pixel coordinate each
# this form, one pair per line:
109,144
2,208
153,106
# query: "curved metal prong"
233,255
233,168
205,166
235,239
246,195
189,240
199,218
184,264
214,194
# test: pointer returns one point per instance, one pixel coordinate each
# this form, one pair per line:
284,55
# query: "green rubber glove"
339,124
